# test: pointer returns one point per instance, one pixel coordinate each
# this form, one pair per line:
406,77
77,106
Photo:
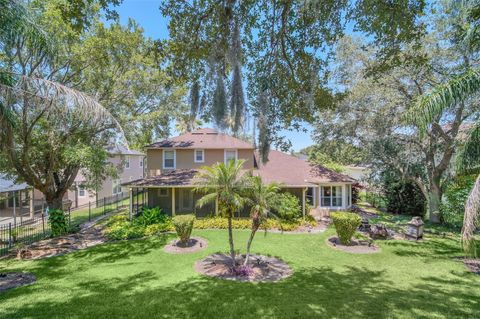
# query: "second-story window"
127,162
199,156
230,155
81,191
169,159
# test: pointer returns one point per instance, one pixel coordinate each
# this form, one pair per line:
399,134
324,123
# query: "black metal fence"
27,230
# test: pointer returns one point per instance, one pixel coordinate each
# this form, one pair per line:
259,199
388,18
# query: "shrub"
183,226
286,206
345,224
58,222
456,194
151,216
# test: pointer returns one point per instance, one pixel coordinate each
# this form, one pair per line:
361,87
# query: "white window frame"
174,159
163,195
195,155
229,150
115,184
331,196
126,164
80,187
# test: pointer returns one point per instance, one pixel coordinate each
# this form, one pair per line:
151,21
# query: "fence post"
104,206
70,217
89,210
9,235
117,201
43,223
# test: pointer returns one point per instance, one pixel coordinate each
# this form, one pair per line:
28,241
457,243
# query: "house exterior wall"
135,171
184,159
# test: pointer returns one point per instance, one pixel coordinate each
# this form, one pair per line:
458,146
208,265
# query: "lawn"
137,279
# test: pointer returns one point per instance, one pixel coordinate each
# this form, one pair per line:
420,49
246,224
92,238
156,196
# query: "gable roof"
202,138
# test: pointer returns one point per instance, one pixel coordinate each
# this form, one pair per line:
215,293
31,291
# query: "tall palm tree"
259,198
224,184
432,105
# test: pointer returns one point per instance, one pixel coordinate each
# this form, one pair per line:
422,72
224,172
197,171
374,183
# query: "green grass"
136,279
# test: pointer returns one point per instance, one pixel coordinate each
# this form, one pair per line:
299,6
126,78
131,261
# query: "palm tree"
260,196
224,184
432,105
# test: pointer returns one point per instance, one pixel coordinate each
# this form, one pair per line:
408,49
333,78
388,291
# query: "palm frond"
19,25
431,105
206,199
470,219
468,159
48,97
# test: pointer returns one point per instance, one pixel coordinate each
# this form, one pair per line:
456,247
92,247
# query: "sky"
149,17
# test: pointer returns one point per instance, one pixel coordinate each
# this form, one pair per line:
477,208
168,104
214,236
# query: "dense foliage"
183,226
58,222
456,194
345,224
403,197
119,227
286,206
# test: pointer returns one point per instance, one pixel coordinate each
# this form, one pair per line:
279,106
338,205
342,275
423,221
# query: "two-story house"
173,163
130,166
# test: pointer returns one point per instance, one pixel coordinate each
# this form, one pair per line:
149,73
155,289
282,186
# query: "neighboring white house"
130,166
360,173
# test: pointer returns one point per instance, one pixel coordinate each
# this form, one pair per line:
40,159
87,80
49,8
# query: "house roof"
9,185
118,149
292,171
202,138
179,177
282,168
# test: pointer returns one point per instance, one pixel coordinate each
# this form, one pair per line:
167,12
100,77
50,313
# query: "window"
331,196
199,156
81,191
349,195
117,188
127,162
169,159
230,155
141,161
163,192
186,199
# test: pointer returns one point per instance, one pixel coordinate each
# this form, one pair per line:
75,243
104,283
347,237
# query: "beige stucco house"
173,163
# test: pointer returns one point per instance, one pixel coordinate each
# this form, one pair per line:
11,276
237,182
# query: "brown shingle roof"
202,138
180,177
292,171
281,168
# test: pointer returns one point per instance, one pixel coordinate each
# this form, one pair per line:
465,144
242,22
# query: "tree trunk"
434,200
54,202
230,240
255,226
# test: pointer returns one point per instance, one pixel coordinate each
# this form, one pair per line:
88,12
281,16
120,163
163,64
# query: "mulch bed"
473,265
194,244
260,268
87,237
15,279
355,247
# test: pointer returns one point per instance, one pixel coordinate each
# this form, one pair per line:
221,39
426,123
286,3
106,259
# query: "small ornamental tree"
183,226
346,224
223,184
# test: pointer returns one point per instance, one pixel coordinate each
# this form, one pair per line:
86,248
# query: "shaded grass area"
138,279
